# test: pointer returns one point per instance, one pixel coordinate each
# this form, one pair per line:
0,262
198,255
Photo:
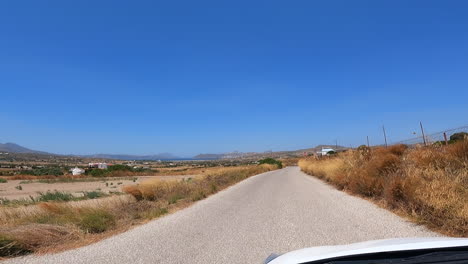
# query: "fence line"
434,137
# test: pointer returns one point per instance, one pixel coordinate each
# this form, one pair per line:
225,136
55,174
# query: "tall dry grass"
430,184
41,227
194,189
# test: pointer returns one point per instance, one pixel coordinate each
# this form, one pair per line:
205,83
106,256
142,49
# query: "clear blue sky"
188,77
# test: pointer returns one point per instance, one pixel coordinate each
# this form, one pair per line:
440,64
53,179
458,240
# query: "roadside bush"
153,213
96,220
97,172
3,180
11,247
28,238
458,136
55,171
93,194
54,196
119,167
271,161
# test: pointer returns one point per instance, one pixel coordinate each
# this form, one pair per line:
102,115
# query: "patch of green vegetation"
116,192
17,202
173,199
9,247
458,137
271,161
115,168
96,221
93,194
26,182
3,180
56,171
97,172
65,180
54,196
153,213
119,167
198,196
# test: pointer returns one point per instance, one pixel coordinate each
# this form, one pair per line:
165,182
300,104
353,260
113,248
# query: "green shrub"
3,180
93,194
271,161
199,196
173,199
56,171
153,213
96,221
97,172
459,136
9,247
119,167
54,196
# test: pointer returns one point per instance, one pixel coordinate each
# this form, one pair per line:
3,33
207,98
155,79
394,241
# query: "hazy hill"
208,156
15,148
161,156
260,155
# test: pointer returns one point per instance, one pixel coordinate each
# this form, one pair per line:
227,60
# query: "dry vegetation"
429,184
170,171
56,226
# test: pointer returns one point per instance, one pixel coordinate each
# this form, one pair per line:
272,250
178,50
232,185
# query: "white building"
325,151
77,171
98,165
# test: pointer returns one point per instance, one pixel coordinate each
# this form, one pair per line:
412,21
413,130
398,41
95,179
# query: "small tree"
119,167
458,136
271,161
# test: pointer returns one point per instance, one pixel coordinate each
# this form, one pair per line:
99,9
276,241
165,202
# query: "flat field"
24,189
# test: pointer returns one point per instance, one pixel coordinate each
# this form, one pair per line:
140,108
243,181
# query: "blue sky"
188,77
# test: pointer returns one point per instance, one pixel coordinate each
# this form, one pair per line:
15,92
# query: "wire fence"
441,136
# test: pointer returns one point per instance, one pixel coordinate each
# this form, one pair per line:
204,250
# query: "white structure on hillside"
77,171
98,165
325,151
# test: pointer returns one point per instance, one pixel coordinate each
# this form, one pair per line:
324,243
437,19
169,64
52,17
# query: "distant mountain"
260,155
161,156
15,148
208,156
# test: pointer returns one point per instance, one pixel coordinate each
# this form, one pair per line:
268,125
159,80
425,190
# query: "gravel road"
276,211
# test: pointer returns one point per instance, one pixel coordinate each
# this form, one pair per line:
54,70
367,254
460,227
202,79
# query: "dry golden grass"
195,189
52,225
430,184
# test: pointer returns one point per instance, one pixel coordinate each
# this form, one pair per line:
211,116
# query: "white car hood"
387,245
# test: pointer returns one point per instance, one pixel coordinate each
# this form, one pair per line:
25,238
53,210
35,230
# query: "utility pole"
385,136
445,138
336,144
422,131
368,142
